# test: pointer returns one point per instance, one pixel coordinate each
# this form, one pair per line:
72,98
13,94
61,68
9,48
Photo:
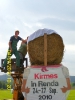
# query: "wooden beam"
45,49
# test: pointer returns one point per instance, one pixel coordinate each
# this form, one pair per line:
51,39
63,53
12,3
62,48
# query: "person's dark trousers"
21,62
15,52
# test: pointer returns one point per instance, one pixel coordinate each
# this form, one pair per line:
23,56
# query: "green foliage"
73,84
3,84
0,84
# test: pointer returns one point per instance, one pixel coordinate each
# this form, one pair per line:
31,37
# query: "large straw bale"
55,50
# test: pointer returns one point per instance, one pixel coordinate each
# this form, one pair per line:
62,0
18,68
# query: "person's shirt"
23,49
14,41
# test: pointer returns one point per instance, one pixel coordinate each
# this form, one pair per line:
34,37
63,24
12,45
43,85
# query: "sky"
27,16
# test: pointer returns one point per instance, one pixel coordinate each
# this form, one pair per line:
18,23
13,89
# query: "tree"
73,84
0,84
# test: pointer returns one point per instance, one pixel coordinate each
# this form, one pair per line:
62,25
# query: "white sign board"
45,83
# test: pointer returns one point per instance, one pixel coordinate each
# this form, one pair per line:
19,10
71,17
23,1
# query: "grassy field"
71,95
5,94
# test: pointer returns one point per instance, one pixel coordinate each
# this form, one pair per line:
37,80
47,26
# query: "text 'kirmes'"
45,76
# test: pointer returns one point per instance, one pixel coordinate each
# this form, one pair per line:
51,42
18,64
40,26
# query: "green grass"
71,95
5,94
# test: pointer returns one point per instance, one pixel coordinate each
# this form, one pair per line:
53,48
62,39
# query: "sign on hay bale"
46,79
55,50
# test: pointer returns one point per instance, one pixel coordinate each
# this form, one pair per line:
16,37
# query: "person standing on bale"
13,48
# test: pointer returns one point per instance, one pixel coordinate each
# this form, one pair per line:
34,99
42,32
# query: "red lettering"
51,75
55,76
36,76
45,76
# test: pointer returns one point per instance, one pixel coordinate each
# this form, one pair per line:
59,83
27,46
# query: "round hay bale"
55,50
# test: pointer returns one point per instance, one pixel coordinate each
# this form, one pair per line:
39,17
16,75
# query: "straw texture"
55,50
